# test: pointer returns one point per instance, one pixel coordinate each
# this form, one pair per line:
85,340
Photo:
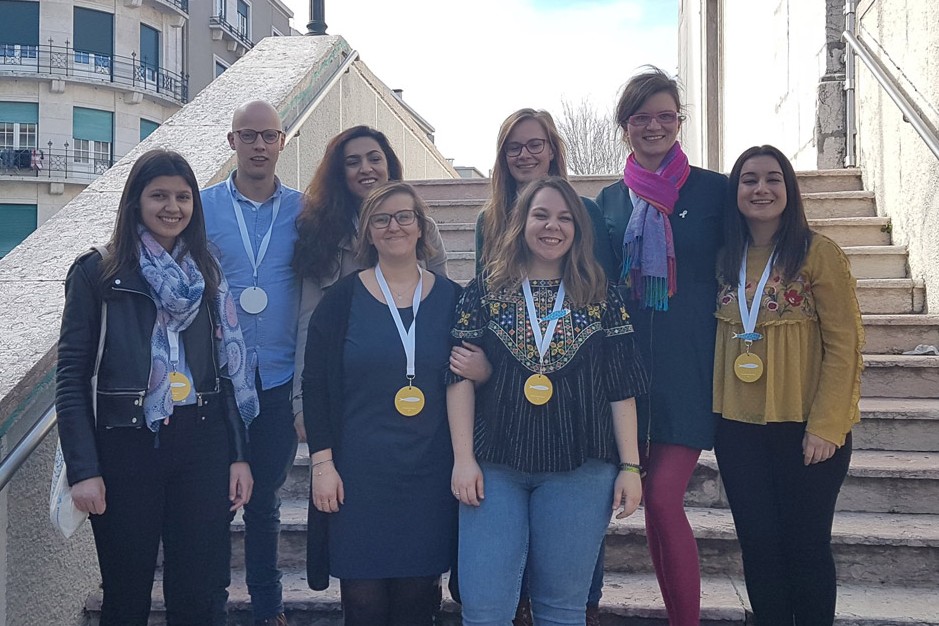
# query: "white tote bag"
63,514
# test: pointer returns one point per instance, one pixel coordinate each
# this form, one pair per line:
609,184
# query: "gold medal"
538,389
179,386
409,401
748,367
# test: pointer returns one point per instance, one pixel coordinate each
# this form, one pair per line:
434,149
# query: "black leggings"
783,513
390,601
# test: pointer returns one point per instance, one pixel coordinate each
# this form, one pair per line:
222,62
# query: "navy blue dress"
399,517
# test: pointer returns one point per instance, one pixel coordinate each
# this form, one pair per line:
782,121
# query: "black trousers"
173,488
783,512
390,601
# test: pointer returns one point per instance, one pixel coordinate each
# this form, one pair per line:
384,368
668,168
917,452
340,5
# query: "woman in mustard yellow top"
787,373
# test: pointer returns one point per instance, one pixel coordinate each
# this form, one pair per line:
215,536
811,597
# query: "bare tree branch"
594,144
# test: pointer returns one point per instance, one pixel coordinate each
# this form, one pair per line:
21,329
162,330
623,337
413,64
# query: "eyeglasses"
383,220
248,135
534,146
663,117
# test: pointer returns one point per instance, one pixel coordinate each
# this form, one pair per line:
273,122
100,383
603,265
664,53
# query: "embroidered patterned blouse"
811,346
592,360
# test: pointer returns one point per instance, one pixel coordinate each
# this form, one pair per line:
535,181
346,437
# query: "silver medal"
253,300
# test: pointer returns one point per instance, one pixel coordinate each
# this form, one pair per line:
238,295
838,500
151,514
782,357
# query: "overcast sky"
465,65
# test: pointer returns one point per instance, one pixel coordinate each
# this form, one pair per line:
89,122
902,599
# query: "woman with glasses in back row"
664,221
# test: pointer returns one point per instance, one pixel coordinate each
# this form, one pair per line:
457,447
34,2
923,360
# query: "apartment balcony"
235,37
53,165
178,9
61,64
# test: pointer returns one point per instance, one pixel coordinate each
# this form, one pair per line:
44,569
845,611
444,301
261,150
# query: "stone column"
830,113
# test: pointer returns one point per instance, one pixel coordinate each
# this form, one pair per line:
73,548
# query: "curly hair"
325,219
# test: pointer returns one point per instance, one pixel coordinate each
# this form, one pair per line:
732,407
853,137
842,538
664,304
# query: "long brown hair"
124,246
364,248
584,280
326,217
504,189
793,237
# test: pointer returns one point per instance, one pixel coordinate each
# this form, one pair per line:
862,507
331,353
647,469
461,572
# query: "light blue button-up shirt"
271,335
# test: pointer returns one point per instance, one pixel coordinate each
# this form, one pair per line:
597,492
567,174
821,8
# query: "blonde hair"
364,249
504,189
584,280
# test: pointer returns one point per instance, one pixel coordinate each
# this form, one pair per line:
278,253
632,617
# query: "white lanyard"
749,315
543,341
173,338
243,228
407,336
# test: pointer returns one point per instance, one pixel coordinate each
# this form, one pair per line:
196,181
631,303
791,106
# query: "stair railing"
26,446
857,49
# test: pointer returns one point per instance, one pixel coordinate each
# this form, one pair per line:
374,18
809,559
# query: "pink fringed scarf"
649,267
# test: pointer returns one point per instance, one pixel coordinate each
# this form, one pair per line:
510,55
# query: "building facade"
83,81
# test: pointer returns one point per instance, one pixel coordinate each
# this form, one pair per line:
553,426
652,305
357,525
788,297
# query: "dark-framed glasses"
534,146
383,220
663,117
249,135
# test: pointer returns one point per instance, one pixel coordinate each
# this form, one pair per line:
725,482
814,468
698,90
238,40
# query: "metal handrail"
26,446
857,47
59,164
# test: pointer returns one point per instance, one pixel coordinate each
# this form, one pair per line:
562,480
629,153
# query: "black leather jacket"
124,373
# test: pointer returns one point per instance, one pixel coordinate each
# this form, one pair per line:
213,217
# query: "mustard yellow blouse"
811,346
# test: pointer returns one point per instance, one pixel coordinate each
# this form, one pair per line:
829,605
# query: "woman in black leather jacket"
153,426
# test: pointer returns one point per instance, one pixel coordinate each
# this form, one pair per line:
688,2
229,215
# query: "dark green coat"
678,344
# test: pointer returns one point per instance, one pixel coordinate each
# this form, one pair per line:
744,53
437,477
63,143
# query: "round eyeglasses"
534,146
383,220
248,135
662,117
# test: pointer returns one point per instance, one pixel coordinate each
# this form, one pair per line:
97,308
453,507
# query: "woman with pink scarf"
664,220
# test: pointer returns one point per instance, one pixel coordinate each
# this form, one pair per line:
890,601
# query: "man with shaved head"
250,218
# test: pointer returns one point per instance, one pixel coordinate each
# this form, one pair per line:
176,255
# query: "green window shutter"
19,112
18,220
92,124
20,23
147,127
93,31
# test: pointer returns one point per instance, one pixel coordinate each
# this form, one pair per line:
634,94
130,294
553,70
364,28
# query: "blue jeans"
554,521
272,445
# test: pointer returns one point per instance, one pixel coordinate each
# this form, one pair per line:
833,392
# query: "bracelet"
635,468
319,463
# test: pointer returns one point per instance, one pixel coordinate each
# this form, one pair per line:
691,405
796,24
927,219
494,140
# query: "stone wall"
45,578
896,163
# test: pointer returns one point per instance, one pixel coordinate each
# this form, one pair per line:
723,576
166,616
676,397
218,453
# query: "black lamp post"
317,25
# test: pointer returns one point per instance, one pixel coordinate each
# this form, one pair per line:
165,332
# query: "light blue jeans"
554,521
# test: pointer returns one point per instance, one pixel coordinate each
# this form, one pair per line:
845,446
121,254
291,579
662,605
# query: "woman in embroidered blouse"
380,469
664,223
536,475
156,450
787,384
356,161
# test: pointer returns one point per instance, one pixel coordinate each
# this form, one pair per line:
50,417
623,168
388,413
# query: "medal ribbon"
243,229
749,315
407,336
542,341
173,338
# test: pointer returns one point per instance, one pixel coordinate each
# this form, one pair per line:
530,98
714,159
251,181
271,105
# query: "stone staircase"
886,533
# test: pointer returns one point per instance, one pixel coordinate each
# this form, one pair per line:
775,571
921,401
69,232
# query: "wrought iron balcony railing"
66,62
239,34
56,164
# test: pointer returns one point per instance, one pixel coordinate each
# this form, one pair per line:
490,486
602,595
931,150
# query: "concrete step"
459,211
854,231
458,236
878,481
839,204
877,261
461,266
900,376
810,183
895,334
628,600
891,295
869,548
902,424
